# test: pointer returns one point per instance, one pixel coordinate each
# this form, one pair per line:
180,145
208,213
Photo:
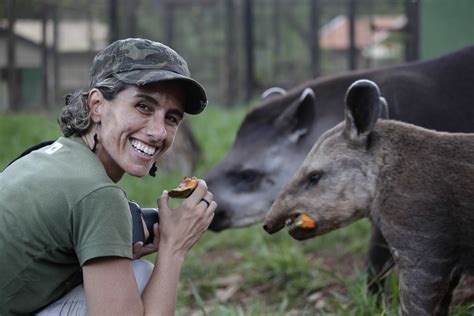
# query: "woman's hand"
140,250
181,227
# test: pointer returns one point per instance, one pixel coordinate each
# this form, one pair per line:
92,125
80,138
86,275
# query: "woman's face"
136,127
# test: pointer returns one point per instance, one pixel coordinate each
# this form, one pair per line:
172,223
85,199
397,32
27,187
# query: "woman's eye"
143,107
172,120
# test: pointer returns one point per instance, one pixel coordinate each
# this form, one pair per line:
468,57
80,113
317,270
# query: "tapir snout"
275,221
284,213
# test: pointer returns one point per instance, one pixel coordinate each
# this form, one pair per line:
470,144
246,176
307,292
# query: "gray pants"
74,302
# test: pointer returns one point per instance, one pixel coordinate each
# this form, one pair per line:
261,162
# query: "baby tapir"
415,184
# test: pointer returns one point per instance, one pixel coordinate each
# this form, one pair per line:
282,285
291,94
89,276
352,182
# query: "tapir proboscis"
274,138
415,184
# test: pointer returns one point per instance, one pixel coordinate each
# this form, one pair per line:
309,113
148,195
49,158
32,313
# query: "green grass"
244,272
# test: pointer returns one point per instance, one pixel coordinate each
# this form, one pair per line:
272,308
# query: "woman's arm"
110,287
109,283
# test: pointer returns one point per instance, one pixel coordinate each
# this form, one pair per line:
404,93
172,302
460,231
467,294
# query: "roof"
370,30
74,35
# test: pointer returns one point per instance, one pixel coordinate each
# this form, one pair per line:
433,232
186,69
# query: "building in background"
78,41
374,41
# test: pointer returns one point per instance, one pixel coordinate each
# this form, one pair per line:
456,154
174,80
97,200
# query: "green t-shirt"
58,209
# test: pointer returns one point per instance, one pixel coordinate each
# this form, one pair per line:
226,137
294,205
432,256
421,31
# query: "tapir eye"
245,180
313,177
248,175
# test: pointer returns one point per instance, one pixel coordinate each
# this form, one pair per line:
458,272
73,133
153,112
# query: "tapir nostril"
265,227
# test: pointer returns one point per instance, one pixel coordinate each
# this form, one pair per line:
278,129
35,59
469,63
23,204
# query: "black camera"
149,215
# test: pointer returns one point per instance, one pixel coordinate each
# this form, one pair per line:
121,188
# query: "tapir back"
426,187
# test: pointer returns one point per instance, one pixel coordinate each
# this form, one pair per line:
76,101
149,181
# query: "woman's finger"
136,249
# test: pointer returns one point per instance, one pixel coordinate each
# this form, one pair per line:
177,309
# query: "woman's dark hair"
74,119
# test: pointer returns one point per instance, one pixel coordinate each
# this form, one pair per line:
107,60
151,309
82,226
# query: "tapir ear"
384,114
363,107
296,120
272,92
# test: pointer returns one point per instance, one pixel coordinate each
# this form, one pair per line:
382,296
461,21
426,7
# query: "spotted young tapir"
274,138
415,184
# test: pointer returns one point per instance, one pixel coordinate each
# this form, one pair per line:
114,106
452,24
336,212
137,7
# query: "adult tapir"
274,138
416,185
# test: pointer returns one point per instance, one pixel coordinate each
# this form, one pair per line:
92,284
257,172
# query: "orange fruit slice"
185,188
305,221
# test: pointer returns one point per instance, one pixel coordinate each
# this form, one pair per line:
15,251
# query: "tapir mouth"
301,226
221,221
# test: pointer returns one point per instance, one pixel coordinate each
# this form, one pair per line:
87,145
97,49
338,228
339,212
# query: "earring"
95,143
153,170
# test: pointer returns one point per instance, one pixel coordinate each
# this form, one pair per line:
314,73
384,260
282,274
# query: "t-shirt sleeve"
101,225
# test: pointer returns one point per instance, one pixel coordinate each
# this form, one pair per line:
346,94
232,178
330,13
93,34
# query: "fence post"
113,21
168,22
276,30
131,13
352,54
249,49
412,30
231,60
13,80
314,38
55,54
44,56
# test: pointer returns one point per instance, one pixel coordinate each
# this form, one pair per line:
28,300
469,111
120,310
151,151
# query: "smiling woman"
62,201
135,128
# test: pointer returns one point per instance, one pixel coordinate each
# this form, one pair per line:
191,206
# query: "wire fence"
236,48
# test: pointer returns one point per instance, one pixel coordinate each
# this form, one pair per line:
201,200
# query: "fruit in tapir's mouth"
302,221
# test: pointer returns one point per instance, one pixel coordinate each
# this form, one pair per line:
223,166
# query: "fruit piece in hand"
185,188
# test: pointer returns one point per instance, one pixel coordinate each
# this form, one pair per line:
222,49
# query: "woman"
63,219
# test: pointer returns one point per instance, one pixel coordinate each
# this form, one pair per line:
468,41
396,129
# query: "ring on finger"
205,201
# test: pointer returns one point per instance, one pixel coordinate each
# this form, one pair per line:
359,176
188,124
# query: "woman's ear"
95,101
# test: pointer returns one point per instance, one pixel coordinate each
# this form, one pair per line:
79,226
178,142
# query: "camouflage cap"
142,61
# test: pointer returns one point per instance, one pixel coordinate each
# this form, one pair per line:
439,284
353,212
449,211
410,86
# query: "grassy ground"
245,271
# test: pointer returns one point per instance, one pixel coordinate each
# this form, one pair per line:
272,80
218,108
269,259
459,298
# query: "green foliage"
20,131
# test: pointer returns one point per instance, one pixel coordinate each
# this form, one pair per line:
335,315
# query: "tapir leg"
443,307
425,287
379,254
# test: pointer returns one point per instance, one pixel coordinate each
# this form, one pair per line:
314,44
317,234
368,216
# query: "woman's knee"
142,270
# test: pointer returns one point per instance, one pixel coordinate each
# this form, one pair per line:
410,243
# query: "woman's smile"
143,149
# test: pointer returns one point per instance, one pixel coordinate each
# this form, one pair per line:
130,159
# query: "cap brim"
196,99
